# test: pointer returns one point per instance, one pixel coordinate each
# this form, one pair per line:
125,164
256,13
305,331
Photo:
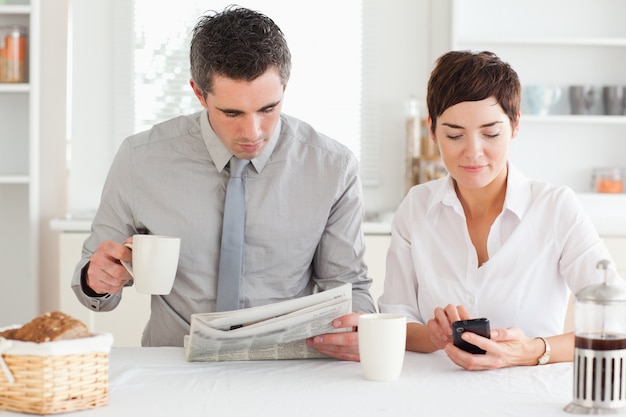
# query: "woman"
486,241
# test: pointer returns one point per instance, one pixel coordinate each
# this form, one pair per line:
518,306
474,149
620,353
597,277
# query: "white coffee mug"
155,260
382,343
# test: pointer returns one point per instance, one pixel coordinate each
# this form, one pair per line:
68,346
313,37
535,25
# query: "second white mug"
382,343
154,265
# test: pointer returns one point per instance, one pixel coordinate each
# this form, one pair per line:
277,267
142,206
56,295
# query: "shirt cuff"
85,287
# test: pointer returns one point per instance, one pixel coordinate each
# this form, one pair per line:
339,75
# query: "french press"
600,348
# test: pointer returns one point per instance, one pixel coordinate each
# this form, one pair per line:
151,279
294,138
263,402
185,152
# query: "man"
303,198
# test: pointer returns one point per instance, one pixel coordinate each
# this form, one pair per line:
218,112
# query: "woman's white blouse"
541,246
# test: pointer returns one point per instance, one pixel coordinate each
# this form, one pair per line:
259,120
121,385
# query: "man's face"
244,114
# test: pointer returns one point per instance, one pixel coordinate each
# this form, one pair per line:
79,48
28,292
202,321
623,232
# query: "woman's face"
473,139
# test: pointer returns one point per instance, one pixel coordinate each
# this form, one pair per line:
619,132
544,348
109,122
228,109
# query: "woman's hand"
507,347
440,327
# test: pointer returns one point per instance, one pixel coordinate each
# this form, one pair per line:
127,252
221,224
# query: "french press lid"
604,293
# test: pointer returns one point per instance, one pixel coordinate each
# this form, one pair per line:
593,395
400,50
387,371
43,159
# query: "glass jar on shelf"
608,180
431,169
14,53
3,64
413,142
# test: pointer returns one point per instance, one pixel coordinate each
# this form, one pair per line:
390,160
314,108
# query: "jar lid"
15,31
604,293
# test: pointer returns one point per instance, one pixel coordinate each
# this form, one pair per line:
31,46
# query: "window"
109,98
325,38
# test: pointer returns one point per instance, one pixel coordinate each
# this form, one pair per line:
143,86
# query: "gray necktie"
231,253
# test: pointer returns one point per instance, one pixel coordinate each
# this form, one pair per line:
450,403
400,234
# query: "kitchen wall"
53,129
406,40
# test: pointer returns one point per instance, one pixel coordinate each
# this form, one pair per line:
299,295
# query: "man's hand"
105,274
344,345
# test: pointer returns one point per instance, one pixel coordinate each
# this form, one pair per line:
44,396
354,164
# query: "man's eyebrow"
236,111
270,105
461,127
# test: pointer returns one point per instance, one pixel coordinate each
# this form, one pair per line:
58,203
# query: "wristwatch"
543,359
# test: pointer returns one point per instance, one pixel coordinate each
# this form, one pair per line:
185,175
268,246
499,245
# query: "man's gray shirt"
304,209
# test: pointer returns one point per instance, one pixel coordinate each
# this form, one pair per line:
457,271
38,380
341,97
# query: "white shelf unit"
557,43
19,173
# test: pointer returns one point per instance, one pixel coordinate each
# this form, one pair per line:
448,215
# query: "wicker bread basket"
55,377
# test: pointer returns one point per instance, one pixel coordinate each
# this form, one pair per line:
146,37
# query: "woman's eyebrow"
461,127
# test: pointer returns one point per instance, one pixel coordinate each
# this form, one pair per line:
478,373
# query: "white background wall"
53,130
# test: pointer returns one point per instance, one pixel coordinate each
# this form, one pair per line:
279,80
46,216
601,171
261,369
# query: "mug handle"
127,265
556,95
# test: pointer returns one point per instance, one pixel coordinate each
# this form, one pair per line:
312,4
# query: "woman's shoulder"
550,191
559,201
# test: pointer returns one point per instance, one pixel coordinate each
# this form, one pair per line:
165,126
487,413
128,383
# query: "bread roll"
48,327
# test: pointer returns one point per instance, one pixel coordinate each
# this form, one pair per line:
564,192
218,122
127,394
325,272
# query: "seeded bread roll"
48,327
8,334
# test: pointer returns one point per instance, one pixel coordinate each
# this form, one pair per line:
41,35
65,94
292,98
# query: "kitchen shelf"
7,9
14,179
14,88
588,47
568,118
548,41
19,188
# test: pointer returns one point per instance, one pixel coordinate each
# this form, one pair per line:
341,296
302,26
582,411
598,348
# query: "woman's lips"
473,168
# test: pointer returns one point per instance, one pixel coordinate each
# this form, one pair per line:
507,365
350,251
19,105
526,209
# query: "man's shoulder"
301,134
175,128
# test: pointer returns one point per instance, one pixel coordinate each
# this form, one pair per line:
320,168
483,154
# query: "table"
159,382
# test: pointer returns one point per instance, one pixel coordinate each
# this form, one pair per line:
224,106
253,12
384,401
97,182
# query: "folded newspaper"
273,331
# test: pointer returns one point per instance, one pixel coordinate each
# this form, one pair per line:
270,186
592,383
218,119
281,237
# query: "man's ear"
198,92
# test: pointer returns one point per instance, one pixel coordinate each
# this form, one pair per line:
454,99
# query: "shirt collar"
518,192
517,199
221,155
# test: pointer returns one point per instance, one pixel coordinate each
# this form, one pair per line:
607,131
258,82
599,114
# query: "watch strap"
543,359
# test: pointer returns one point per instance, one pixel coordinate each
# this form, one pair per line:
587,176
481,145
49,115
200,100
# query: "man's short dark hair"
237,43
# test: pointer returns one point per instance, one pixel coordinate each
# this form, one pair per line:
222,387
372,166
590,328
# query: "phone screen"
479,326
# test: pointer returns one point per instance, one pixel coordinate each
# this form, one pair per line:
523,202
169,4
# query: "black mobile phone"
478,326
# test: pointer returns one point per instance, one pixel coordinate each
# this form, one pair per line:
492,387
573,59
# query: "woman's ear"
431,129
515,126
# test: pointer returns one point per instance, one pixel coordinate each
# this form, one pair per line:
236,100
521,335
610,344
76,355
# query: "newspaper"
273,331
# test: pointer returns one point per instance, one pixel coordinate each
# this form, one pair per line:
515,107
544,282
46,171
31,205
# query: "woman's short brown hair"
461,76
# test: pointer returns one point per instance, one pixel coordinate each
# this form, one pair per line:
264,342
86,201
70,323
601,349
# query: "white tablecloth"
159,382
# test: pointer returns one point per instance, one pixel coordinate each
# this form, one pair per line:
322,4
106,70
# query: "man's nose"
251,128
